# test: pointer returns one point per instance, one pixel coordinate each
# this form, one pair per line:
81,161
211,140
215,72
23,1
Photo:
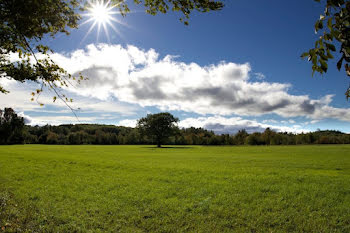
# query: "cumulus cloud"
27,119
128,123
259,76
63,119
231,125
20,95
142,77
59,120
225,125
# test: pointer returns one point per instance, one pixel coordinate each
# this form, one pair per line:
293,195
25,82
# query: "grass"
180,189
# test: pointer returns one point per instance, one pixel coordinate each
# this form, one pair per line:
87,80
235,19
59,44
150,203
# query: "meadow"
176,189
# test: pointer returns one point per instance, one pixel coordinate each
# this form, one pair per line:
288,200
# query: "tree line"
14,131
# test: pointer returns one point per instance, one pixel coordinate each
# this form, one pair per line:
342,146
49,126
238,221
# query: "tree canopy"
11,127
159,126
334,29
24,23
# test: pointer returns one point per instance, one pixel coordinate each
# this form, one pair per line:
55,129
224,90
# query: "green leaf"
330,47
324,65
304,55
329,24
340,62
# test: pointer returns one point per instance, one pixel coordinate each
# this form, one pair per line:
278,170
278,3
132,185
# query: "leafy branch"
334,27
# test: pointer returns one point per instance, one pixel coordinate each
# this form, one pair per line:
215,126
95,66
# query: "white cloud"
127,123
27,119
143,78
270,121
58,120
136,76
20,95
314,121
231,125
259,76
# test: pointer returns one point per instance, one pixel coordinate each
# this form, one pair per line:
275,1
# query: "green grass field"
180,189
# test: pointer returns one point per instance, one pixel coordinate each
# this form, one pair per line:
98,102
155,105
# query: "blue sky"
232,69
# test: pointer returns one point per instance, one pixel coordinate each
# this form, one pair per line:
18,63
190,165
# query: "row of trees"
113,135
13,131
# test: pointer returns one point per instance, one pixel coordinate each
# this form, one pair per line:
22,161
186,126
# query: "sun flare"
102,14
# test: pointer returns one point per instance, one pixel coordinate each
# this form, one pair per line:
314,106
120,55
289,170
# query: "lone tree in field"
159,126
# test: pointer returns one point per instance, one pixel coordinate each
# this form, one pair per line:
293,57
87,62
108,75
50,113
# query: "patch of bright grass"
184,189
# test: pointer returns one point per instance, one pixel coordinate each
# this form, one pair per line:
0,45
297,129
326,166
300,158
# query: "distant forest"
14,131
119,135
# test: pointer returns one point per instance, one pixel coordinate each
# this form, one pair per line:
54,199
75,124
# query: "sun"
102,14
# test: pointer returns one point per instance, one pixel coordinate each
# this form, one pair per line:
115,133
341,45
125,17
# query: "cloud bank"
141,77
231,125
122,80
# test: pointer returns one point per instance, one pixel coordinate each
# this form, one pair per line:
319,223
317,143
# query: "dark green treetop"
11,127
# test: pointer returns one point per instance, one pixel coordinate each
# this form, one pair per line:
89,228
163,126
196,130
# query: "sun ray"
116,31
98,31
114,28
88,32
121,23
86,21
106,31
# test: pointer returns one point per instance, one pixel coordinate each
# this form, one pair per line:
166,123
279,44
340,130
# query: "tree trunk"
158,144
